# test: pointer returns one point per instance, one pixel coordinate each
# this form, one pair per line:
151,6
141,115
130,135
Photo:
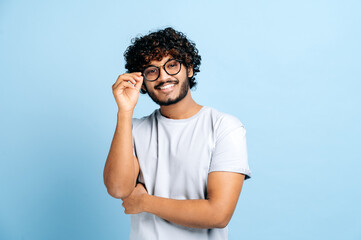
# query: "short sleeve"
230,150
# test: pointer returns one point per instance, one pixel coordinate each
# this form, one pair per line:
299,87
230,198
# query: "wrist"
146,199
125,114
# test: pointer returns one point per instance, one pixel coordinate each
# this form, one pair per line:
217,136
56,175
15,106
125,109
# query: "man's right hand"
126,91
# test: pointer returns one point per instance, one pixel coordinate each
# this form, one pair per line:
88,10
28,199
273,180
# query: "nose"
163,75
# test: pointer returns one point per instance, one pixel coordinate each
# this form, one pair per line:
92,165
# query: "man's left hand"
133,204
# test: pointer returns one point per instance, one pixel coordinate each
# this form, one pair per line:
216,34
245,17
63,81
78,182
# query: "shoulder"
222,119
144,121
225,123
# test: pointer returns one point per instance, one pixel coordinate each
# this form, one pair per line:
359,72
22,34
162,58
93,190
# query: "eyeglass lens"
172,67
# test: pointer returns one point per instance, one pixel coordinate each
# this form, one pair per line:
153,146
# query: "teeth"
168,86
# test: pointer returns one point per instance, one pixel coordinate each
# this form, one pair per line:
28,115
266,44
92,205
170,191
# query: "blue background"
289,70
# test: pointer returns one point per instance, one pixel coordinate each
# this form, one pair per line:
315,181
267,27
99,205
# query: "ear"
190,71
143,88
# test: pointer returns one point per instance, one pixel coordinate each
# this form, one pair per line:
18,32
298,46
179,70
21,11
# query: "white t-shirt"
175,157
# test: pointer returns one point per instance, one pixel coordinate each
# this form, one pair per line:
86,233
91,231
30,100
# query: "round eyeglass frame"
158,67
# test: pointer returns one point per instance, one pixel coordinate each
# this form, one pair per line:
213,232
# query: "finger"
138,77
137,74
123,79
122,86
132,77
127,85
119,79
139,84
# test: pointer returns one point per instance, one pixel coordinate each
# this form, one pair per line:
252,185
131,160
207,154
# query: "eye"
150,71
173,64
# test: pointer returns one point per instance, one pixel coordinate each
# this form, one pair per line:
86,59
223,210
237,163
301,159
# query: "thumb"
139,84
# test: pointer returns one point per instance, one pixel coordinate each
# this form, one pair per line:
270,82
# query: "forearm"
119,170
200,213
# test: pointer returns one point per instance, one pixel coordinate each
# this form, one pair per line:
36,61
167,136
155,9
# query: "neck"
183,109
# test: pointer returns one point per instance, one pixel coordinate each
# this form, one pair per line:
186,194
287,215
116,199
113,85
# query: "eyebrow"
152,65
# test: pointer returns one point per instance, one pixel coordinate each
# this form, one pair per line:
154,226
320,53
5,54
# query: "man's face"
167,89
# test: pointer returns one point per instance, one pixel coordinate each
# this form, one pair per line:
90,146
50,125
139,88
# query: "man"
180,170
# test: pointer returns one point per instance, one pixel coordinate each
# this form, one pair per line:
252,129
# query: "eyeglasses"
171,67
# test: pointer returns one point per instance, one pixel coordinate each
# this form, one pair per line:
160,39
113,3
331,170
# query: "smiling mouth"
167,86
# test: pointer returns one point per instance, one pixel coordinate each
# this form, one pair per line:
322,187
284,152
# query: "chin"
180,91
170,101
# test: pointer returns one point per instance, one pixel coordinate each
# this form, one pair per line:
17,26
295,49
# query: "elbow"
118,193
221,214
221,219
116,189
222,222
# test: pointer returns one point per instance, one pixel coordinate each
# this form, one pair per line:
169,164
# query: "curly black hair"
159,44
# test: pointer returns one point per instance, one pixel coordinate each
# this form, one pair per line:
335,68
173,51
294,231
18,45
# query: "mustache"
170,81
